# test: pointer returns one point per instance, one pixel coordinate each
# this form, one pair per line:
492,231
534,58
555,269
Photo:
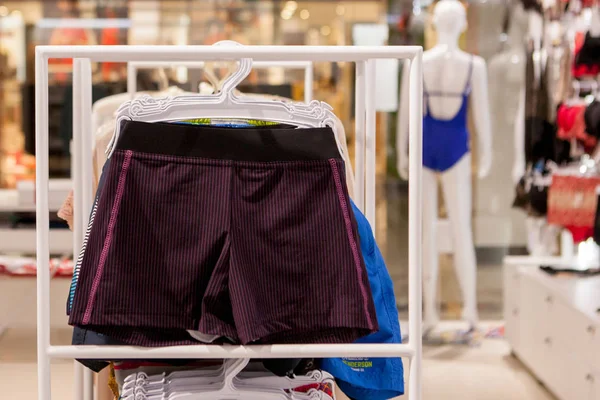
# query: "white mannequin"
506,78
507,69
447,60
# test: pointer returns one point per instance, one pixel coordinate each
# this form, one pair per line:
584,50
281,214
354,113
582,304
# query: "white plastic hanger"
174,380
199,378
226,105
225,389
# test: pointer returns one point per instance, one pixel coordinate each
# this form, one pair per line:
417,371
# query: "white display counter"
553,326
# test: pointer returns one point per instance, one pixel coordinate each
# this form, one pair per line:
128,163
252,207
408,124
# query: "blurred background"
486,368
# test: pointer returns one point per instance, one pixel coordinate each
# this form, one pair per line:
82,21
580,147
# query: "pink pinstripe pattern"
353,245
253,251
109,237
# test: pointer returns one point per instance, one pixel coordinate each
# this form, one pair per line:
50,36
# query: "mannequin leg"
550,235
541,237
532,235
430,252
456,185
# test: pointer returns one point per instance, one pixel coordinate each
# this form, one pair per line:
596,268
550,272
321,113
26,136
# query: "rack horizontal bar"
231,351
210,53
195,64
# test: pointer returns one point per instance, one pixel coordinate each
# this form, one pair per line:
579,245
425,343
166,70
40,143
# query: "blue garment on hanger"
446,141
372,378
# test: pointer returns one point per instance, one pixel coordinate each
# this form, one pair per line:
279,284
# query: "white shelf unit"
363,56
22,199
553,327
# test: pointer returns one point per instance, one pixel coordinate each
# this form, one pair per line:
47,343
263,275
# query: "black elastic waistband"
263,144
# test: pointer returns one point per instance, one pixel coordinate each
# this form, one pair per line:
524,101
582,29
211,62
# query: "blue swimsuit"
446,141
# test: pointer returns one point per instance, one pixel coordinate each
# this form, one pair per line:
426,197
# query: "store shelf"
9,201
21,292
22,199
22,241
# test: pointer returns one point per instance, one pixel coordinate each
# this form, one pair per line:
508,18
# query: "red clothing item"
110,36
572,203
68,37
571,125
325,386
580,233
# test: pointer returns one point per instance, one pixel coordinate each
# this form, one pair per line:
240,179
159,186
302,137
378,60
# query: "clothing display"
587,55
571,125
226,231
532,191
170,164
445,141
249,382
540,132
596,233
372,378
26,266
561,124
572,203
592,119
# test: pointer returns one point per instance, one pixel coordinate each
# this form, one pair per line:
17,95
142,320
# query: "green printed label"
209,121
358,364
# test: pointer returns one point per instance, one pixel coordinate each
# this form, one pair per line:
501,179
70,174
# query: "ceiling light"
305,14
340,10
286,14
3,11
325,30
292,5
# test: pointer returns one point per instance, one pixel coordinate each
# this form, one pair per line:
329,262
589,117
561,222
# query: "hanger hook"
163,79
233,369
242,72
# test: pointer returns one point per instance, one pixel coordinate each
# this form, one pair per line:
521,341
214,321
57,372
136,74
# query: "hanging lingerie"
596,234
532,191
571,126
592,119
587,55
446,141
572,204
541,143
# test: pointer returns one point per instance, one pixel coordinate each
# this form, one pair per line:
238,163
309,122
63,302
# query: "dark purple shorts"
245,234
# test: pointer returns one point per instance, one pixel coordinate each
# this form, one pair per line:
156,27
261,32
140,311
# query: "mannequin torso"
449,70
507,77
507,71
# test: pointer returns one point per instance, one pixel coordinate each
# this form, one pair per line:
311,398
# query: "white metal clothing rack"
307,66
363,56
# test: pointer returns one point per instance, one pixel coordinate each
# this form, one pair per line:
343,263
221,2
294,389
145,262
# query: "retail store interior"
239,202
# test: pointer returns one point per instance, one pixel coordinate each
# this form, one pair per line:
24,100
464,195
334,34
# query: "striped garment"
246,234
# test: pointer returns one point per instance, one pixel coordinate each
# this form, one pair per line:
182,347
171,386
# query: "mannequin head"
518,24
450,19
519,18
